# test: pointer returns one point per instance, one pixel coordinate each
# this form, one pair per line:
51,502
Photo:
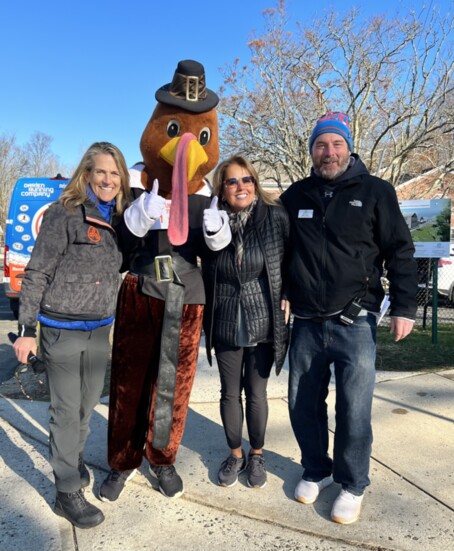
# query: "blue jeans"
313,347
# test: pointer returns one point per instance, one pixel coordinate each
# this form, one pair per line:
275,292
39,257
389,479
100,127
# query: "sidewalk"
409,505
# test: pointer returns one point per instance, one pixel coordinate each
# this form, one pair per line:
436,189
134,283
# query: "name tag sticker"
305,213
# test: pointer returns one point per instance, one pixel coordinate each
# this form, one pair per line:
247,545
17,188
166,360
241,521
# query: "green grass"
416,352
427,233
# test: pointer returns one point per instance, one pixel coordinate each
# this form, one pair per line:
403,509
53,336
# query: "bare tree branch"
393,75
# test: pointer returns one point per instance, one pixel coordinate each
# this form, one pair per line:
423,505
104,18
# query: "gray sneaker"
230,469
114,484
170,483
256,472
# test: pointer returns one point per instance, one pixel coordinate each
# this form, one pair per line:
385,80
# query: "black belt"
326,318
161,268
321,319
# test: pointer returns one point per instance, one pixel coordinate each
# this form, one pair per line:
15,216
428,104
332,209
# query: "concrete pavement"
409,505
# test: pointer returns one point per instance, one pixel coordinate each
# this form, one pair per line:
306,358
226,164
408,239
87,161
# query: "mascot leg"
191,328
137,335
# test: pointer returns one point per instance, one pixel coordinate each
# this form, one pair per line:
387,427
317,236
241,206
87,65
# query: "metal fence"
440,306
432,275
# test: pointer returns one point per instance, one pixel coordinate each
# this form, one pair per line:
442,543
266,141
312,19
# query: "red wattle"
178,216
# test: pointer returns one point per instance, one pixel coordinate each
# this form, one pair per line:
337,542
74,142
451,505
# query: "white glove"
213,219
142,213
216,227
153,203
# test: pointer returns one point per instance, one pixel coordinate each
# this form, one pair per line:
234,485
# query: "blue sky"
87,70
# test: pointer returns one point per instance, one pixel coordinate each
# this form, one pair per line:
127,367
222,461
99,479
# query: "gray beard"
343,168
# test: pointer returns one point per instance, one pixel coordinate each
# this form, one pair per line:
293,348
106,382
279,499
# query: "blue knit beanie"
335,122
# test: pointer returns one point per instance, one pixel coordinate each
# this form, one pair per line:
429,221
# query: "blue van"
29,200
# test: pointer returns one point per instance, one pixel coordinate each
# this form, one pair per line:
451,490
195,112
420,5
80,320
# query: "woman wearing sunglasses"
245,315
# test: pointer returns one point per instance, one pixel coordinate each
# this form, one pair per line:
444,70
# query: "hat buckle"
192,81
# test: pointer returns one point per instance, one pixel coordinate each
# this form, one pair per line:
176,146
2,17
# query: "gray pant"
76,364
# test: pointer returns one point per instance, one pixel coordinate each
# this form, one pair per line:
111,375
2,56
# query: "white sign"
429,223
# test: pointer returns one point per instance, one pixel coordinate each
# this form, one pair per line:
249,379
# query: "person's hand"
153,203
401,327
23,346
285,307
213,219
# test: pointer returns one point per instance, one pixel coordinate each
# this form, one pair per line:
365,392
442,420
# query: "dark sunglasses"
246,180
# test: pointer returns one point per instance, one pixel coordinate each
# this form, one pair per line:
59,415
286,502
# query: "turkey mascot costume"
160,304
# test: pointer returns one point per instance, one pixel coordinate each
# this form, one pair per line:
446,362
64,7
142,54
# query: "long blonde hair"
75,193
219,177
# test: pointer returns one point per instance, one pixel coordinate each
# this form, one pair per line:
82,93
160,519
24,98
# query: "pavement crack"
274,523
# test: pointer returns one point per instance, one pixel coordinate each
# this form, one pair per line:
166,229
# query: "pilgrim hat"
188,89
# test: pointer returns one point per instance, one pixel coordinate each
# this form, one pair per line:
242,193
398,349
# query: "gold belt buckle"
161,263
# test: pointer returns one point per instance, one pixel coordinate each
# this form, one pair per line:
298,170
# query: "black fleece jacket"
339,250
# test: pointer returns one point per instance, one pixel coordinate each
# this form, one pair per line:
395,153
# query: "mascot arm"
219,240
216,227
142,214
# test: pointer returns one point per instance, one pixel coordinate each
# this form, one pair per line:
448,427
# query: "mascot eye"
204,136
173,129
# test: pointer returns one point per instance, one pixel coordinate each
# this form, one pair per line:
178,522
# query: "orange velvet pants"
135,363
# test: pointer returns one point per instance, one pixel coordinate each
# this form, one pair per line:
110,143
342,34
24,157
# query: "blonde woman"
70,287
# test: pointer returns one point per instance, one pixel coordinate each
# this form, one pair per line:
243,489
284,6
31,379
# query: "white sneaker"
346,508
307,492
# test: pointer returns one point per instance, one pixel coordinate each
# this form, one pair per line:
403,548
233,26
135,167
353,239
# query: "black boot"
84,474
75,508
